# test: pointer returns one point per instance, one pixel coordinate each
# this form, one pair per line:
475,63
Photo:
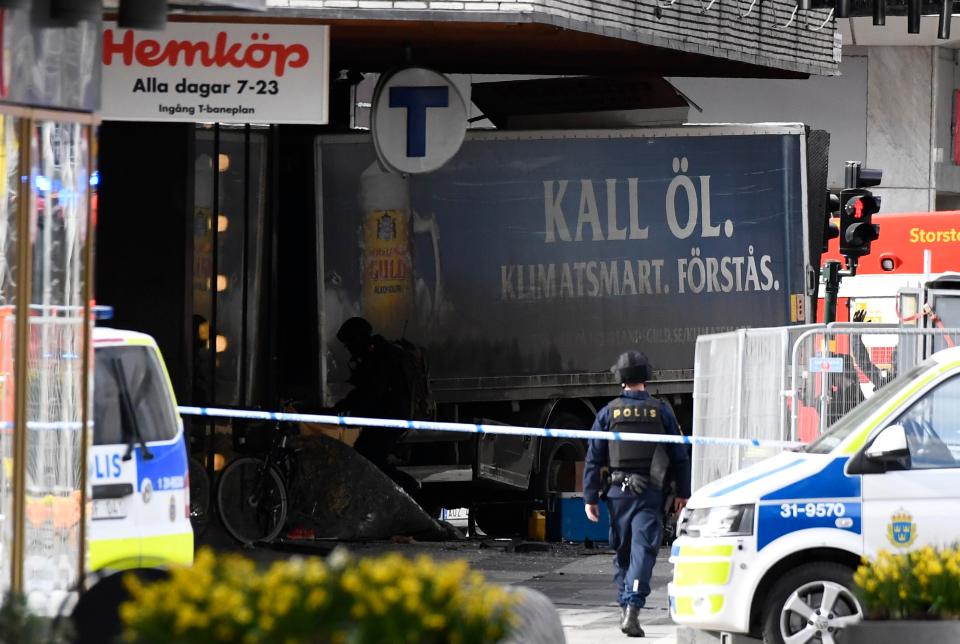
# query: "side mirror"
889,445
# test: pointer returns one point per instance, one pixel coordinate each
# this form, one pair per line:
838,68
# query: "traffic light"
857,207
831,230
857,229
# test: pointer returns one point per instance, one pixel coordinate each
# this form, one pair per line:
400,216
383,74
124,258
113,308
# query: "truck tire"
814,598
557,458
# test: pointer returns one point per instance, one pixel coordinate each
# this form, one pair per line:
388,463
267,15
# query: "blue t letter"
417,100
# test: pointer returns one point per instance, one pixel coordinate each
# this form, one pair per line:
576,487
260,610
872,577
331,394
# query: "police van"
771,549
138,463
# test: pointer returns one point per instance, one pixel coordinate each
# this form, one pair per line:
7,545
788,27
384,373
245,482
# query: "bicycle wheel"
199,496
252,501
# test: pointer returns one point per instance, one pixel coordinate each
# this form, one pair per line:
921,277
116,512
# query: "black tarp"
341,495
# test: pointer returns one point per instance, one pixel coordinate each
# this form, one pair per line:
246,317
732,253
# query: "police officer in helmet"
635,483
380,390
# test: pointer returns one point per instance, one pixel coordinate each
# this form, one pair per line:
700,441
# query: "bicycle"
253,492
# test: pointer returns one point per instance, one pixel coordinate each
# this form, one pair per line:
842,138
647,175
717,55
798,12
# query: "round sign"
418,121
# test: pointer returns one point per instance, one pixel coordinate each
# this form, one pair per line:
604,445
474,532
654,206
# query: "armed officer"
634,486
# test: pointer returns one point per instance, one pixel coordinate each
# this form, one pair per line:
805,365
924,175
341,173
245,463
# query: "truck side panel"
551,254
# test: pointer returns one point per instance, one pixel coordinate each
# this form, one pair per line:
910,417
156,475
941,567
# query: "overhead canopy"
762,39
199,5
558,101
254,5
520,48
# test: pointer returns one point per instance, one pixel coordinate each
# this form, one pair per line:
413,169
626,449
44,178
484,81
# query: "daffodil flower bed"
344,600
923,584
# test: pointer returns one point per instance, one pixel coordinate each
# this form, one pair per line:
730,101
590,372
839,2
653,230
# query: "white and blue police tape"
37,425
470,428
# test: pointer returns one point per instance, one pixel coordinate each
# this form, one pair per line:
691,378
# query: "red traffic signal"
857,230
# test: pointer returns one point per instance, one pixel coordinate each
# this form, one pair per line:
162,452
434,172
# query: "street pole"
831,280
832,274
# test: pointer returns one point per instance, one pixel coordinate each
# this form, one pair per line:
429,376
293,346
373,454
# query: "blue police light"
95,178
102,312
42,183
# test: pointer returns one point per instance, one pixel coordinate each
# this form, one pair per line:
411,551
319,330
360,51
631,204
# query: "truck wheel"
558,458
810,604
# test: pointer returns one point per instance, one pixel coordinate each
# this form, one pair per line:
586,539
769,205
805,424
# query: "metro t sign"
419,120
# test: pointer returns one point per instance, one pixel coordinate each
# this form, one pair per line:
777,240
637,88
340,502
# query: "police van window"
107,429
854,419
932,427
145,384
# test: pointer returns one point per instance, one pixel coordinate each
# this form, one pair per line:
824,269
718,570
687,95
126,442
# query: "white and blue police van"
138,462
771,549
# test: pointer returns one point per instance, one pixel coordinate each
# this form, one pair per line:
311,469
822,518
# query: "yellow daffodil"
225,598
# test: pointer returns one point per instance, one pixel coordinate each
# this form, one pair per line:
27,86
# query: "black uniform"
380,390
636,519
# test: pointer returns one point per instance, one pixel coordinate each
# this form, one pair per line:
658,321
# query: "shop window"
229,244
60,184
10,172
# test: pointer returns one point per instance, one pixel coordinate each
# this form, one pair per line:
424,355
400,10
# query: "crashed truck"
792,383
532,259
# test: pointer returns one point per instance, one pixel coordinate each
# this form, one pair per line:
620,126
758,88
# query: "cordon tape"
470,428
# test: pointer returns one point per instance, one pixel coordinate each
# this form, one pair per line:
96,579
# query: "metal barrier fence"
739,380
789,384
836,368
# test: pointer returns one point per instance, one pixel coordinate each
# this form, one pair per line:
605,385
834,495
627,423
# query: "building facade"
893,106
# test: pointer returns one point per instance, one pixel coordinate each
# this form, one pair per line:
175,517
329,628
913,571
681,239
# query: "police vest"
628,415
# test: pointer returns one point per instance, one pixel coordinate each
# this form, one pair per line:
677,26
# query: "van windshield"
840,430
146,388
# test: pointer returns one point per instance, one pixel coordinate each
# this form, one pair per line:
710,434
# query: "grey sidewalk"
592,626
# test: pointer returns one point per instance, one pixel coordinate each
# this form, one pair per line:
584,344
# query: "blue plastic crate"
574,524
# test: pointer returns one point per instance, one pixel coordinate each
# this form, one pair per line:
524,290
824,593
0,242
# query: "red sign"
217,52
228,73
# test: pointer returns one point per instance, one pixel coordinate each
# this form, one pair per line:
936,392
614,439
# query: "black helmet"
354,331
632,366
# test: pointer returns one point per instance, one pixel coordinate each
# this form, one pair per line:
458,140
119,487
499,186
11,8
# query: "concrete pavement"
583,592
586,626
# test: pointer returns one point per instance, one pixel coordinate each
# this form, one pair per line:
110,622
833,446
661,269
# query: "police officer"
634,489
380,391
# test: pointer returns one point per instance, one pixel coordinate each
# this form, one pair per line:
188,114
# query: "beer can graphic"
387,290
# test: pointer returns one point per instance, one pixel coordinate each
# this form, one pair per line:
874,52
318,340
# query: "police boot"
630,623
